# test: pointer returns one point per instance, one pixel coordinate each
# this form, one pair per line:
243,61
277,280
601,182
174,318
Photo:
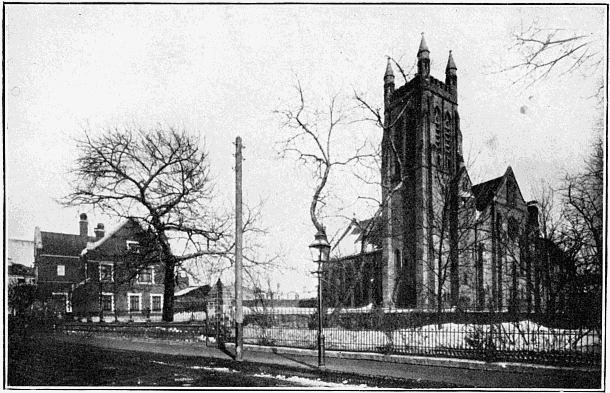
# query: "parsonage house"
440,241
109,275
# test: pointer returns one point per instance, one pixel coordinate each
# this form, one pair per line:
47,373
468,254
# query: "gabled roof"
485,192
97,243
355,233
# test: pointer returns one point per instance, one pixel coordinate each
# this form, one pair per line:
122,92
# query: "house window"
133,246
107,302
61,301
134,302
156,302
146,276
106,272
61,270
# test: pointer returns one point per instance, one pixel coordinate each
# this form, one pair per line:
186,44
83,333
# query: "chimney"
99,231
532,210
84,225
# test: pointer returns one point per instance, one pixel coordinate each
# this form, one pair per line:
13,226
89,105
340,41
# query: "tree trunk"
168,292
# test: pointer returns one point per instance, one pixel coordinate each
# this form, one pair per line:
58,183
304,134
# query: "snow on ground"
314,383
306,382
522,336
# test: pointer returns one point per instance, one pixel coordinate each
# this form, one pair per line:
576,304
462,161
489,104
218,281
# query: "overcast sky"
221,71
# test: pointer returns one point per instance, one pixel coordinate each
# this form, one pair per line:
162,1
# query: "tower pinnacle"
423,47
388,82
389,71
423,59
451,63
451,74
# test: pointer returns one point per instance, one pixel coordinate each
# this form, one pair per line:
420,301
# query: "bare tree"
583,199
544,52
314,133
161,179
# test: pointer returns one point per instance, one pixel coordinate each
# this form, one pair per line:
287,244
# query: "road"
41,360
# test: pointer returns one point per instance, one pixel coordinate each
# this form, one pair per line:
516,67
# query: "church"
437,241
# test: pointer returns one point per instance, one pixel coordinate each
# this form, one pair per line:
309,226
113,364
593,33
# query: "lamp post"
320,250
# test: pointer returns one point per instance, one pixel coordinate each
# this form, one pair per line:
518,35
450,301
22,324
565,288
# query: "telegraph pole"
239,318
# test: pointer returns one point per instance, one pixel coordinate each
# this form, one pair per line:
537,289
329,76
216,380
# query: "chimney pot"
84,225
99,231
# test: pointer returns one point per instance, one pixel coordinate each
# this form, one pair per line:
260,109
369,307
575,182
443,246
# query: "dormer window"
133,246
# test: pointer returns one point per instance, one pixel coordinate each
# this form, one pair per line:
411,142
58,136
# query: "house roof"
485,192
54,243
92,245
205,289
17,269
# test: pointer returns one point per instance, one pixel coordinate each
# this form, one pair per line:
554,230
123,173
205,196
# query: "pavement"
449,372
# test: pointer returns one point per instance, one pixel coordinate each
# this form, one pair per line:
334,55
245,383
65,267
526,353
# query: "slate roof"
63,244
203,290
484,192
96,243
374,236
353,234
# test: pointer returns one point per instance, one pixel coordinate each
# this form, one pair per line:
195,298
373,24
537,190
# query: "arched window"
398,256
437,127
513,228
447,120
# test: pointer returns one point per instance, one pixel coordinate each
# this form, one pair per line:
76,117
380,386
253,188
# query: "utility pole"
239,318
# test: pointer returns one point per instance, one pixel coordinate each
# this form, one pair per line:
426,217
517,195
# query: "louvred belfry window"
437,128
448,141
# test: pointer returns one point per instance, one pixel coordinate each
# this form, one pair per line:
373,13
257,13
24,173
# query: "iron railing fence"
153,330
488,336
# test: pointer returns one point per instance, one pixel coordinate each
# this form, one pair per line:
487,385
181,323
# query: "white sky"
222,71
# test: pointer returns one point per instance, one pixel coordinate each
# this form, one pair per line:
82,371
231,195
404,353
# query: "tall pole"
239,318
321,346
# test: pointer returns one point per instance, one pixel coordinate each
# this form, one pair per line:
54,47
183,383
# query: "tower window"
447,120
437,127
448,140
398,259
437,116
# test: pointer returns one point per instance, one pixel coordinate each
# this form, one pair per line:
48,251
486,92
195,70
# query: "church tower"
421,160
